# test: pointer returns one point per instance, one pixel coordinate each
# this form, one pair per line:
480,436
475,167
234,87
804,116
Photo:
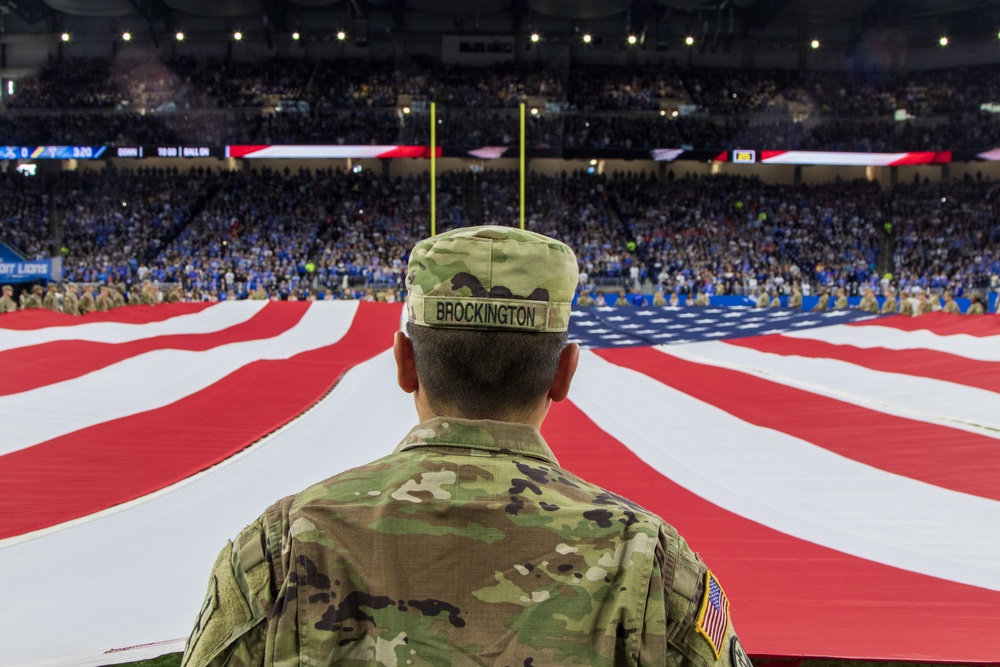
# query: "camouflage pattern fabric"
491,278
7,304
467,545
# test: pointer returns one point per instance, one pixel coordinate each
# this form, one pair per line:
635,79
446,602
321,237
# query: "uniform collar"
482,434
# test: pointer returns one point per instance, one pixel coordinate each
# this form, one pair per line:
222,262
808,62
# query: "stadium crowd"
326,233
136,100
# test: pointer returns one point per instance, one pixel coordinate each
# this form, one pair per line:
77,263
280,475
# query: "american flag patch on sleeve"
713,616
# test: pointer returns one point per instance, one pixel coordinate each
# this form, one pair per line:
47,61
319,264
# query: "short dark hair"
484,374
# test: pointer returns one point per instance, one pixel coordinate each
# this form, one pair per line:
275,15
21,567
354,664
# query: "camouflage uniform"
763,301
795,300
823,303
71,304
51,300
7,303
117,296
103,302
889,306
869,303
658,299
841,302
776,301
34,300
468,544
950,305
87,304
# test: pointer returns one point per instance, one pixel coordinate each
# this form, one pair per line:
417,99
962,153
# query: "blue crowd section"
808,302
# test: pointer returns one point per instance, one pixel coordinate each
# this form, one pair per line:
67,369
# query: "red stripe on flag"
904,447
920,363
27,368
111,463
791,598
944,324
25,320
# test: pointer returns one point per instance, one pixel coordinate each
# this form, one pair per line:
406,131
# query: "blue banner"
51,152
22,272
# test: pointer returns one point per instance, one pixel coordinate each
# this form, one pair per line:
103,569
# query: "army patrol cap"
491,277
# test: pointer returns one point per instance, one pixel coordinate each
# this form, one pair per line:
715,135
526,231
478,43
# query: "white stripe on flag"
790,484
216,318
979,348
155,379
922,399
161,547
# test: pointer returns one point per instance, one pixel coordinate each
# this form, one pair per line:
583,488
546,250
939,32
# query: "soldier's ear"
568,361
406,370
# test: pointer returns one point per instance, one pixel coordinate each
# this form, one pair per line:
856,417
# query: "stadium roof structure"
779,24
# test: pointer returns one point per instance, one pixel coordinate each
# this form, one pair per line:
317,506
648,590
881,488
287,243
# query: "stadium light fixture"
179,36
943,41
64,37
126,36
534,111
689,40
632,39
341,35
814,43
296,36
535,37
587,38
238,36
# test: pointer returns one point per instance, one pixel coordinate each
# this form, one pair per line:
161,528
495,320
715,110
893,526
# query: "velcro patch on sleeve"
713,614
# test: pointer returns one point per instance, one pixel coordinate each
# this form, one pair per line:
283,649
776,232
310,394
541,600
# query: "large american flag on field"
837,472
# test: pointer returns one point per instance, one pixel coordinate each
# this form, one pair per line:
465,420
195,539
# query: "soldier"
71,304
701,299
622,300
135,295
469,544
34,300
104,303
174,295
869,303
906,306
7,303
950,305
776,301
150,295
925,305
87,303
976,307
889,305
841,302
259,294
763,301
51,299
795,300
658,299
117,294
824,301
